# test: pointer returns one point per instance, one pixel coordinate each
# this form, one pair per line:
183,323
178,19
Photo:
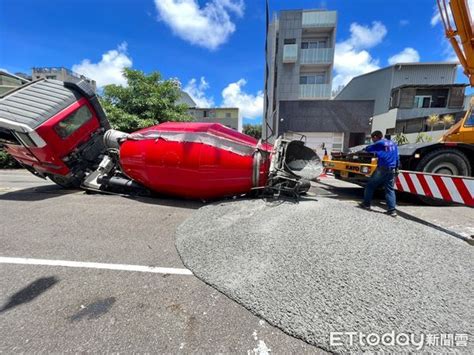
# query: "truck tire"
443,161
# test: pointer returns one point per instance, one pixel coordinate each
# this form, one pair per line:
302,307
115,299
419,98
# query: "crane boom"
460,34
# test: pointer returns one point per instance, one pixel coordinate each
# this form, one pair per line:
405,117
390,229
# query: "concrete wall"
384,121
378,85
435,135
429,74
218,115
288,82
373,86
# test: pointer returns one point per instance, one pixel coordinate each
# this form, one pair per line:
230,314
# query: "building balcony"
319,19
290,53
315,91
317,56
407,113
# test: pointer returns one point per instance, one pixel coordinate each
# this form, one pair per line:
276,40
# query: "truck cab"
54,129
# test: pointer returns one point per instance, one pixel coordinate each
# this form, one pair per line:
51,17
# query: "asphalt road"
53,308
56,308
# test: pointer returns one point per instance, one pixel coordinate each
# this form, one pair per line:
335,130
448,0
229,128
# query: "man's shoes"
391,213
365,207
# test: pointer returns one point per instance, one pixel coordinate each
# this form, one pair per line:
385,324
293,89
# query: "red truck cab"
54,129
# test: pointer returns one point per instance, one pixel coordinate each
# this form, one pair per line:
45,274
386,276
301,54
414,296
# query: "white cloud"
408,55
436,18
351,57
366,37
197,91
109,69
250,106
208,26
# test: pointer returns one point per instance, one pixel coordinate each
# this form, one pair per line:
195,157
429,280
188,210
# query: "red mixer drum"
195,160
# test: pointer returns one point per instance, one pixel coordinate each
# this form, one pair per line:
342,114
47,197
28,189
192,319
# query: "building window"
310,79
52,77
289,41
320,43
422,101
205,113
414,126
227,115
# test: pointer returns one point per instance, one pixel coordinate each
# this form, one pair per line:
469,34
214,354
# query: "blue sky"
215,48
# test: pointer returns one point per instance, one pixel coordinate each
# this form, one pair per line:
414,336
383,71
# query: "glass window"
8,137
25,139
319,78
227,115
73,122
470,121
422,101
322,43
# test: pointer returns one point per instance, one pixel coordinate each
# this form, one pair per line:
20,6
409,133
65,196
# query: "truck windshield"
470,121
73,122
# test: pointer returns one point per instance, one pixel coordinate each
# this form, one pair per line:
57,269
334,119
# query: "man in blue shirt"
387,166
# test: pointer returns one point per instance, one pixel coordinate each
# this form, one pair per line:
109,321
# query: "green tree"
145,101
253,130
447,120
400,139
432,121
7,161
423,137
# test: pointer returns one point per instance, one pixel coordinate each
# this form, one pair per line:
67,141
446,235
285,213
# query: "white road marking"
90,265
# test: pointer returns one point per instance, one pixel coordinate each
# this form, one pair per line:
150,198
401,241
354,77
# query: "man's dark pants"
381,177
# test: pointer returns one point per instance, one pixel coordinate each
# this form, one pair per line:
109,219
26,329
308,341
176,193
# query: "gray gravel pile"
326,266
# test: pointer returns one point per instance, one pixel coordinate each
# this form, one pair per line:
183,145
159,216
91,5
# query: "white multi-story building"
299,60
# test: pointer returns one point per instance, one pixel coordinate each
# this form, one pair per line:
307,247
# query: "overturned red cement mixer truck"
58,130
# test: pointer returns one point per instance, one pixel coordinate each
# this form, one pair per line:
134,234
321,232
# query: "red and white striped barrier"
444,187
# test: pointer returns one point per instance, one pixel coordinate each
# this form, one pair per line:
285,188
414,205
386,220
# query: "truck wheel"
66,182
443,161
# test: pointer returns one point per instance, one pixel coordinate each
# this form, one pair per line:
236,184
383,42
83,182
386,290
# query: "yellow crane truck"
453,154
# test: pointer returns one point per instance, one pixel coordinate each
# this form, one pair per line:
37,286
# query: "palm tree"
432,121
447,120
